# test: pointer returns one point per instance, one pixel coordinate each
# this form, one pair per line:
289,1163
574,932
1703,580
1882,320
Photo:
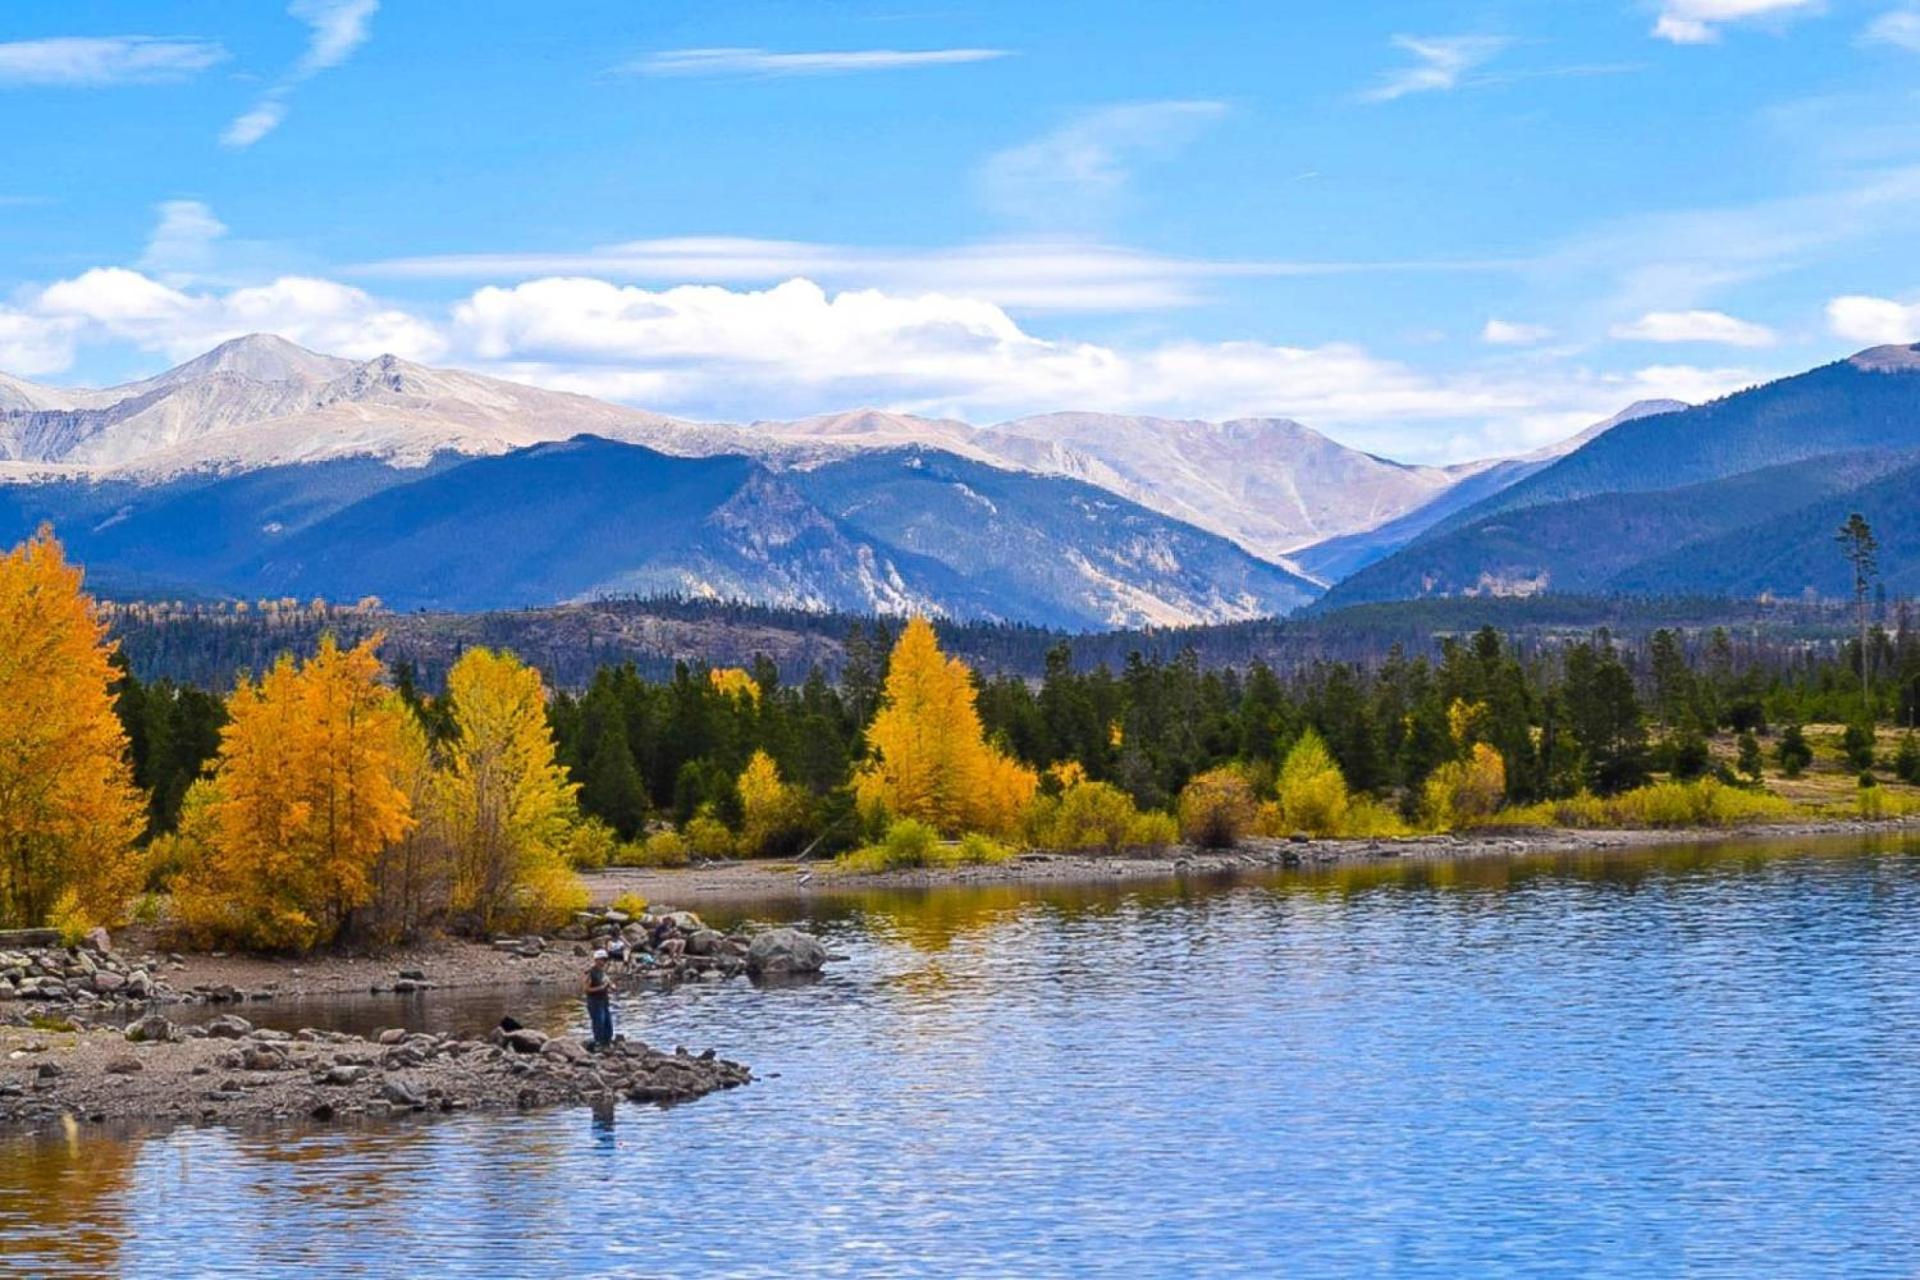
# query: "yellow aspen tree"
772,812
305,801
69,812
929,758
509,803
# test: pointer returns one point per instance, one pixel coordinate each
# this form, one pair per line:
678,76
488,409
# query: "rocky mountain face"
1740,496
261,467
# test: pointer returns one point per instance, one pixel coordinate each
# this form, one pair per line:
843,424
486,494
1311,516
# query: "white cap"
599,955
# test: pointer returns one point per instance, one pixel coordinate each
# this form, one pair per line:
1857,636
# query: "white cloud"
1699,21
1026,275
1859,318
1075,173
764,62
94,61
254,123
1899,27
338,27
109,304
1695,326
1508,333
31,345
182,245
1439,64
796,349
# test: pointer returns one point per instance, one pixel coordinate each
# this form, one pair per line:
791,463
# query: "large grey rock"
784,952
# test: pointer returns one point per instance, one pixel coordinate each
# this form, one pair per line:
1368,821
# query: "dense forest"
337,789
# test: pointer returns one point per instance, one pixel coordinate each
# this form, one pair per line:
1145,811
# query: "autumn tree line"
332,796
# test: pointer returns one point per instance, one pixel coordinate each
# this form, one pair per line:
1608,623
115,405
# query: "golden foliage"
930,760
1312,792
1465,791
306,797
1466,720
1092,815
774,814
1216,809
69,813
732,682
510,807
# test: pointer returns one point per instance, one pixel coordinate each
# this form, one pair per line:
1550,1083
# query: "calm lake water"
1693,1061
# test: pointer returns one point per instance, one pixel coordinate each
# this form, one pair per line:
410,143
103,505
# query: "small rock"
345,1073
124,1066
98,940
228,1026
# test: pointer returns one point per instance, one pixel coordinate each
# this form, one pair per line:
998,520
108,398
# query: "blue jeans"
600,1014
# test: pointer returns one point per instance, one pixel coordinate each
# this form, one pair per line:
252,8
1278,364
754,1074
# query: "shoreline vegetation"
332,808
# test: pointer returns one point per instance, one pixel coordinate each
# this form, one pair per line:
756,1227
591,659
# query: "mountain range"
263,469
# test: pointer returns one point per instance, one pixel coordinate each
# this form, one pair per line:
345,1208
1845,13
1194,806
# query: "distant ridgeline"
208,644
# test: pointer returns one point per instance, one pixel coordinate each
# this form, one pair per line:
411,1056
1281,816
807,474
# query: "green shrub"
708,838
1793,753
1856,744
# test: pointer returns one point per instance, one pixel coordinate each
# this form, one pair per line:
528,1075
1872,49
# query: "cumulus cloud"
119,304
1859,318
764,62
1077,172
1508,333
796,348
1695,326
336,29
1439,64
95,61
1699,21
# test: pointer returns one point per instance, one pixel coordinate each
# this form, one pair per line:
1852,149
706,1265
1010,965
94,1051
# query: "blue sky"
1435,230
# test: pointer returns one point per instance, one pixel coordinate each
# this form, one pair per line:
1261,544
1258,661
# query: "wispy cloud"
182,245
338,27
1440,63
1074,174
95,61
1859,318
1027,275
1699,21
1695,326
1508,333
1900,28
766,62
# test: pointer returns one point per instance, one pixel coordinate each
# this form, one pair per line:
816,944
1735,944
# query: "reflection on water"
1700,1060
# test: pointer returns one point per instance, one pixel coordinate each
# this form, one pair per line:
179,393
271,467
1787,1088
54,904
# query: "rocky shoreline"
62,1055
229,1072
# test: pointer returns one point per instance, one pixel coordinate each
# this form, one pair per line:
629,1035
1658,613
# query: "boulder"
345,1073
526,1040
784,952
562,1048
99,941
228,1026
704,942
153,1027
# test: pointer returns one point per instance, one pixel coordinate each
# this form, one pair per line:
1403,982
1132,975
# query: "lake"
1699,1060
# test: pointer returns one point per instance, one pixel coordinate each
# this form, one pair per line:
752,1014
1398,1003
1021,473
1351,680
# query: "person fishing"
599,988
